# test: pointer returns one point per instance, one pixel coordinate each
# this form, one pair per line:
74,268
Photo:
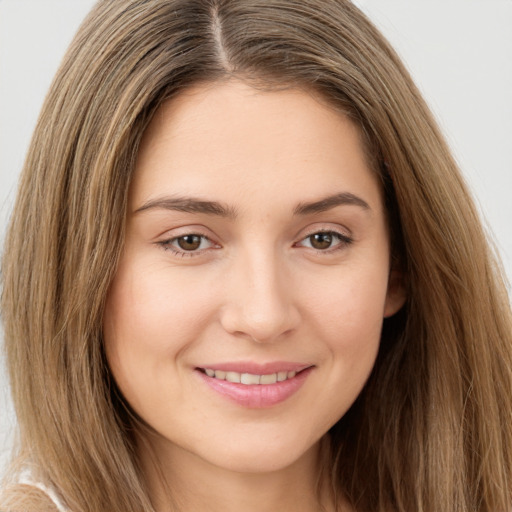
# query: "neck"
180,481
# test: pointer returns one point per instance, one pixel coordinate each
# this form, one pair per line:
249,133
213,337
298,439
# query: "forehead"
233,139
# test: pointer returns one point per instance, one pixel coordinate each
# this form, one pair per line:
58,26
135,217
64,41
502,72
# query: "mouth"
256,387
249,379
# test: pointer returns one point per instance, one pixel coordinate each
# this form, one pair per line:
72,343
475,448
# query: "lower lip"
257,395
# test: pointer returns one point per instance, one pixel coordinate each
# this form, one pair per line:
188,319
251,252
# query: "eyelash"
167,245
343,242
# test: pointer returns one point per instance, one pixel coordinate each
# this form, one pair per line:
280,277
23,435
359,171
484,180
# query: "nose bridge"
260,305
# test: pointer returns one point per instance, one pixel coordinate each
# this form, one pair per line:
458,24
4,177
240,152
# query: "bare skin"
256,242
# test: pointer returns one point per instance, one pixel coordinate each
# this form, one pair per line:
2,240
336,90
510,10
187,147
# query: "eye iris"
321,240
189,242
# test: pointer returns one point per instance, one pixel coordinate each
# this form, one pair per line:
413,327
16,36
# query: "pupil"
321,240
189,242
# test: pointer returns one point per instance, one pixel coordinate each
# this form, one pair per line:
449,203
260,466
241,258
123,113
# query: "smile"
251,388
250,378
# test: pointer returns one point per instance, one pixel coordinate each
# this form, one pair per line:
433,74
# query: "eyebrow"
189,205
344,198
193,205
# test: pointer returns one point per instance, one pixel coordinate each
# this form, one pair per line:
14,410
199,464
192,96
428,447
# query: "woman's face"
246,312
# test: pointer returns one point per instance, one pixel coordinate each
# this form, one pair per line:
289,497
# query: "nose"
259,303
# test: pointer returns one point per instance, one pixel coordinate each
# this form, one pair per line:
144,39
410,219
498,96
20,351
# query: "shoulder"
26,498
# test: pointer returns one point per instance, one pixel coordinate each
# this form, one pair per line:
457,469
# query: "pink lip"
257,395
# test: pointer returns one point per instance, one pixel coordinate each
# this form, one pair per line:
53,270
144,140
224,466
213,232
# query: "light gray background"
459,52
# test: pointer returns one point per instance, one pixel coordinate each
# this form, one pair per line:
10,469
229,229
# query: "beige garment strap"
26,479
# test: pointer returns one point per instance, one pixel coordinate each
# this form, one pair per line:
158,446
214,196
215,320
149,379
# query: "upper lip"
257,368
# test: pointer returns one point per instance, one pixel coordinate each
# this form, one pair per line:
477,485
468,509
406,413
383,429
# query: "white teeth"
233,377
281,376
249,378
268,379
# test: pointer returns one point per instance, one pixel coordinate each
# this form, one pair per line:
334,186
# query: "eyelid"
183,230
167,242
167,239
345,238
339,230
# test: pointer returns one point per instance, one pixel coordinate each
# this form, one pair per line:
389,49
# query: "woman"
225,192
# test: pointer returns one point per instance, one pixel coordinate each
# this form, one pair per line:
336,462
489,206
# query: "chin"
259,459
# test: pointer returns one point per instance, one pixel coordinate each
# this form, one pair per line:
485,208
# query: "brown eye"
189,242
326,241
321,241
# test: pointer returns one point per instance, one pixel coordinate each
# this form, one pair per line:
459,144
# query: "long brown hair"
432,430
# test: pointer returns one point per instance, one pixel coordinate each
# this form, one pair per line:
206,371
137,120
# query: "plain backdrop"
458,51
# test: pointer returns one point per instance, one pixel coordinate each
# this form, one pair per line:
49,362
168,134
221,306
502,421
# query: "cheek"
353,302
353,340
149,299
149,321
347,317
